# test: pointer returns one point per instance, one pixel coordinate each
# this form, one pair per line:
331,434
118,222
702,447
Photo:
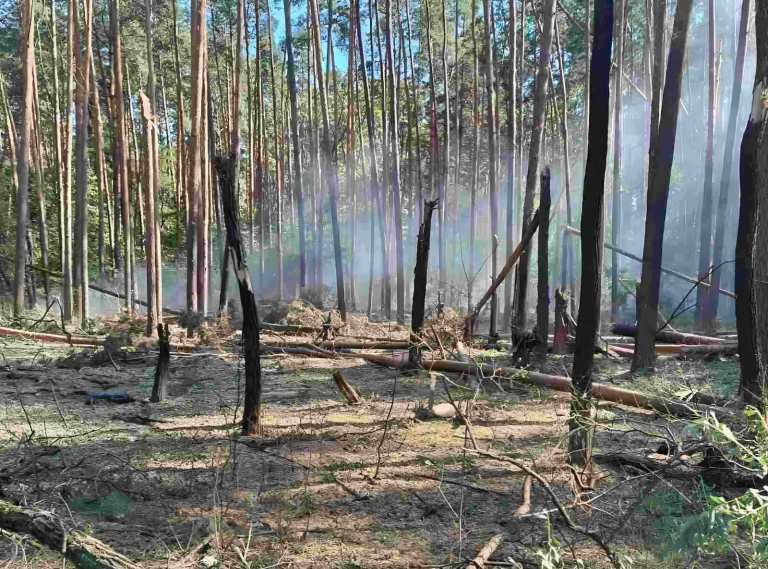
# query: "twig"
593,535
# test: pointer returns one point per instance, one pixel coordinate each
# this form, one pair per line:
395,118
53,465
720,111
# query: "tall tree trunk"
537,134
82,115
330,166
446,156
296,144
395,162
475,156
751,272
120,152
278,132
542,301
490,91
725,174
27,53
581,427
511,152
659,172
195,152
616,199
180,164
705,222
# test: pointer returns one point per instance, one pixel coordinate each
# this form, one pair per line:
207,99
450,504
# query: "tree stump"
163,363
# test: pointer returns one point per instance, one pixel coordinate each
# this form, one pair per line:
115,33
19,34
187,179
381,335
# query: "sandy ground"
328,484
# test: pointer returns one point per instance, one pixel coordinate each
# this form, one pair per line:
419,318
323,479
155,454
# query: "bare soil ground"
328,484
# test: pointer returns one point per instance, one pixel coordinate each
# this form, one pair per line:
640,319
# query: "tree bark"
27,52
580,439
251,348
537,134
492,156
420,281
330,166
296,143
659,173
725,173
159,388
751,274
542,303
616,198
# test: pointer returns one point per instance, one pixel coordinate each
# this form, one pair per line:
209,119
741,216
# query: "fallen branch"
84,551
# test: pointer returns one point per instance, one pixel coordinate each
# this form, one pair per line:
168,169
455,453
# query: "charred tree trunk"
751,274
420,281
252,406
616,198
580,440
659,172
542,304
159,388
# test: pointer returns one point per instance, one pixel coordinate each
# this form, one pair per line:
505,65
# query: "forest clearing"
452,284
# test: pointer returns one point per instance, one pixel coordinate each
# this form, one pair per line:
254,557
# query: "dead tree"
163,361
659,173
251,348
580,441
420,280
542,303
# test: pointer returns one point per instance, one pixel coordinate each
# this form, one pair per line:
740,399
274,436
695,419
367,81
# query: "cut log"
163,361
513,258
599,391
664,270
84,551
669,336
480,560
349,392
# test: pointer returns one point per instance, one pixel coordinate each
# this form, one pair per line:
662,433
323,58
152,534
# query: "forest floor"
329,484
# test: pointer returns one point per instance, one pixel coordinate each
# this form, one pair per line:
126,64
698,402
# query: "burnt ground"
328,484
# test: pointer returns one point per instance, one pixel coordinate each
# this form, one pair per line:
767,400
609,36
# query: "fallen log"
294,328
683,350
480,560
511,261
669,336
57,338
341,344
84,551
664,270
599,391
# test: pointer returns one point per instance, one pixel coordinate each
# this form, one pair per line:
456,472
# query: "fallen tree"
84,551
525,240
669,336
599,391
58,338
664,270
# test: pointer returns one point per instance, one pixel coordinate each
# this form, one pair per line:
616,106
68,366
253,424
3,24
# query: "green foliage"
114,505
707,523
